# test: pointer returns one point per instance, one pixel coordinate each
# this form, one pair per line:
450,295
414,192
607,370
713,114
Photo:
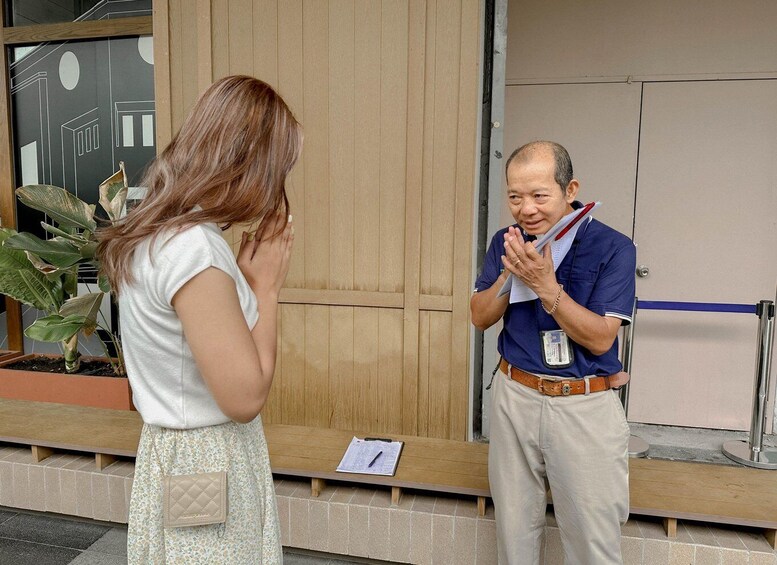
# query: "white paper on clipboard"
519,292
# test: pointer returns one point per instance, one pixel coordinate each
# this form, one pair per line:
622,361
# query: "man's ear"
570,194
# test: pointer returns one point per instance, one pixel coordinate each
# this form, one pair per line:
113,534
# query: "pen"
375,459
583,212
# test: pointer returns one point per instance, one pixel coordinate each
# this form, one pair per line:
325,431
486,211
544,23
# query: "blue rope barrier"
696,306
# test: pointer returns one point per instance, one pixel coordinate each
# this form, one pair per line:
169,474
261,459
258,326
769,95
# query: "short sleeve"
492,263
181,258
613,292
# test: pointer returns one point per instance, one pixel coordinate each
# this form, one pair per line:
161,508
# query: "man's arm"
487,308
586,328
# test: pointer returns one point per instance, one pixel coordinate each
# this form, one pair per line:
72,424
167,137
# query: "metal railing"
752,452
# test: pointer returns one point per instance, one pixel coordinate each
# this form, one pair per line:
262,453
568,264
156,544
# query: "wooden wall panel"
374,317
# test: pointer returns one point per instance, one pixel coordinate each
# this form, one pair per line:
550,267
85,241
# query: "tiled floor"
38,539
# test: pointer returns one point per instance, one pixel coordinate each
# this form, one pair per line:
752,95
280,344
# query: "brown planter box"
80,390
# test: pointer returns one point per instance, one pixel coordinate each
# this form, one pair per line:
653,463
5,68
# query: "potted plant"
43,273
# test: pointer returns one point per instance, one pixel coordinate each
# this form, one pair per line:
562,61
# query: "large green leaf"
104,284
57,251
113,193
86,306
63,233
20,280
64,208
55,327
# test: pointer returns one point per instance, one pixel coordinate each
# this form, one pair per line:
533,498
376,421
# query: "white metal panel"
551,40
706,227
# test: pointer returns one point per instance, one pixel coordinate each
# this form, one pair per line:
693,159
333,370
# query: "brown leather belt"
552,387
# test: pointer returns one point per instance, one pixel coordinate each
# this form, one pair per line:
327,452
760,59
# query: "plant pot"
62,388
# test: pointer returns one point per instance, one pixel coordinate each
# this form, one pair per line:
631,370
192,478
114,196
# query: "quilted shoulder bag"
199,499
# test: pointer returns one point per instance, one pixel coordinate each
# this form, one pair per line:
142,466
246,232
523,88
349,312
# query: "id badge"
557,350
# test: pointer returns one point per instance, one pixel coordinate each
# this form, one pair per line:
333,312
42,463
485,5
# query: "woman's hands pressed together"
264,256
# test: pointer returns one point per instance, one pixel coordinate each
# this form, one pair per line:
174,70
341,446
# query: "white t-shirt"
168,389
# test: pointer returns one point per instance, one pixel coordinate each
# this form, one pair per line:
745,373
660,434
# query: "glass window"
33,12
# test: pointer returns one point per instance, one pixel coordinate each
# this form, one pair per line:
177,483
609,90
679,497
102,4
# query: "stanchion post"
753,453
638,447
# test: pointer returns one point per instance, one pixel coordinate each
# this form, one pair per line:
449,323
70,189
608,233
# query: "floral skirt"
252,531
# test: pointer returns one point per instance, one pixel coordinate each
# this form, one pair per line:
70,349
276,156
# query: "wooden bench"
670,490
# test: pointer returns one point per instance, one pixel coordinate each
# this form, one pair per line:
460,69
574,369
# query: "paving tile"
486,542
362,496
631,550
358,531
18,552
338,528
69,498
399,535
467,508
631,529
421,538
283,518
554,549
379,533
465,540
442,539
52,531
755,541
113,542
299,513
763,559
101,501
117,499
655,552
21,485
701,534
406,501
381,499
424,503
285,488
37,488
94,558
343,494
53,491
729,538
84,497
681,554
707,555
6,483
6,514
445,506
734,557
318,518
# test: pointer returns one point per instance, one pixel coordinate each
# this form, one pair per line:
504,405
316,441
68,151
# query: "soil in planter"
49,365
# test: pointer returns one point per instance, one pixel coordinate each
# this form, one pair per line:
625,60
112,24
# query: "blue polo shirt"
598,273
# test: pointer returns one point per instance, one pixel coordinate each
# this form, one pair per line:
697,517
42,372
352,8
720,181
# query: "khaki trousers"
580,444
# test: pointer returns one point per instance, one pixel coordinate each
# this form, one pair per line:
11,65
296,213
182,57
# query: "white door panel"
705,226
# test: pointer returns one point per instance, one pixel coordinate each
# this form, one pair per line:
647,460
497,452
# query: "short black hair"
563,174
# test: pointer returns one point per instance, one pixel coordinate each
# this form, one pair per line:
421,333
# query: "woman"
199,327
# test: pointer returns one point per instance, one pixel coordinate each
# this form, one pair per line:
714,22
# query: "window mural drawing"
80,107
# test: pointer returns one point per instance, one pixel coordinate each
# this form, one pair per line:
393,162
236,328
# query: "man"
567,427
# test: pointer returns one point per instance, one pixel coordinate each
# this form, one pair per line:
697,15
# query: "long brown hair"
231,156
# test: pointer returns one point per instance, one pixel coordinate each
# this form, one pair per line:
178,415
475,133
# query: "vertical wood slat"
13,316
315,28
413,203
466,164
424,367
293,346
241,42
367,78
290,85
220,38
204,45
341,143
440,382
389,395
341,368
446,87
316,390
366,338
265,37
162,54
393,131
177,61
427,209
190,45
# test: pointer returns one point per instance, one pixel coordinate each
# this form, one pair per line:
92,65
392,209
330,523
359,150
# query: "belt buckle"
566,387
